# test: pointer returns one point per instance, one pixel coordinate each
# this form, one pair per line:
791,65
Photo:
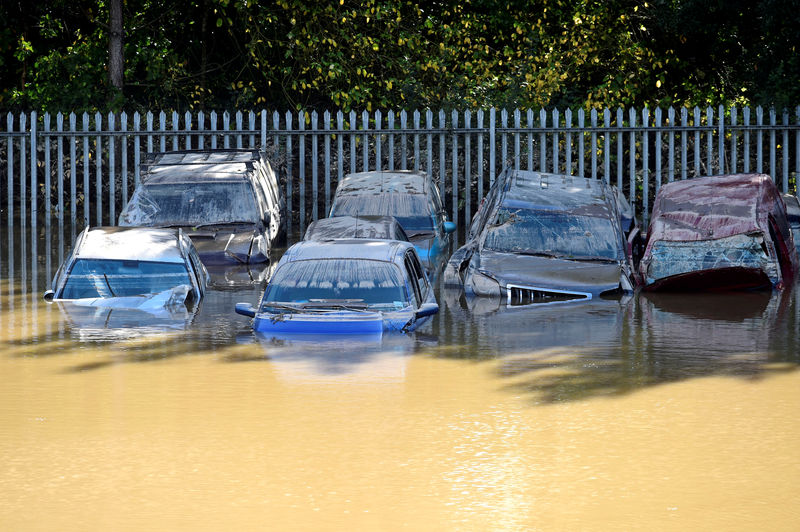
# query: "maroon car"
719,233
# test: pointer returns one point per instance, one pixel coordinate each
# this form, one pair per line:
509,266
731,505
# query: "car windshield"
191,204
555,234
90,278
413,211
376,283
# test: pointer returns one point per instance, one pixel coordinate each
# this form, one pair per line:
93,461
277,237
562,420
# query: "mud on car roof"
378,182
196,166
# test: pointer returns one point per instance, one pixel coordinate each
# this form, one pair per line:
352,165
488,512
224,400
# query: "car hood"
225,246
592,277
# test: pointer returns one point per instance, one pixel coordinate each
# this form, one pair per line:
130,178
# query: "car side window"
418,274
414,280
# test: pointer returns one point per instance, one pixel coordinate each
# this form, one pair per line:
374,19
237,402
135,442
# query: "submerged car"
355,286
130,267
793,217
411,197
227,201
544,238
727,232
376,227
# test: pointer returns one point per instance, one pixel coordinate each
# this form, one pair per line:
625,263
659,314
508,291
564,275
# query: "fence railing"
83,169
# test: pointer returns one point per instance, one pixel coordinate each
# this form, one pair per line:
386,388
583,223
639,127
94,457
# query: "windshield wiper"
319,305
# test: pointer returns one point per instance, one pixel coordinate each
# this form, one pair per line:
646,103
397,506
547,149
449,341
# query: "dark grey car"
544,238
227,201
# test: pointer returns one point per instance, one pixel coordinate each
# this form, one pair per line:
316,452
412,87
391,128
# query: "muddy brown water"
648,413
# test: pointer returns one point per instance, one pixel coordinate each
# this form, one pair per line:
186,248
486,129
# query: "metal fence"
82,169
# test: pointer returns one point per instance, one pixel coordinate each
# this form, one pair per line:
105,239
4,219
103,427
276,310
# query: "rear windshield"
192,204
376,283
414,211
90,278
554,233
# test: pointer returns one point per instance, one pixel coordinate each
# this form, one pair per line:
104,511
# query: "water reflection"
554,353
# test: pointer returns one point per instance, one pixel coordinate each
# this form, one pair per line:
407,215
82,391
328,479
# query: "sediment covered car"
227,201
376,227
411,197
545,238
354,286
727,232
130,267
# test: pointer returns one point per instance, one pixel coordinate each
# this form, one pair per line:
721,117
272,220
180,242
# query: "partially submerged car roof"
130,243
543,191
356,248
379,182
194,166
713,207
369,226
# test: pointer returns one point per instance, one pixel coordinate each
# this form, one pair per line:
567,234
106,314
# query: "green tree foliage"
366,54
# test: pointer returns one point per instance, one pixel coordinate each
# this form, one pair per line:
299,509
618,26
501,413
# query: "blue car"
354,286
411,197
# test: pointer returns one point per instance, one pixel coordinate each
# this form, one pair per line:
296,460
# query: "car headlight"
484,285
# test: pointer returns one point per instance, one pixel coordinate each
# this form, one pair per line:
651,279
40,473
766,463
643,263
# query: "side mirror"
449,227
427,309
49,295
245,309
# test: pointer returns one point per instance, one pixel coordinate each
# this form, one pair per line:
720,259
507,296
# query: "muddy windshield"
372,282
413,211
556,234
91,278
191,204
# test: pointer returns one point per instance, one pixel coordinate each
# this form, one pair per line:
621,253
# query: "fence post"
314,167
390,126
531,125
645,165
746,113
403,140
542,141
442,170
378,140
480,158
98,161
86,191
467,167
301,163
47,182
684,144
568,119
721,139
517,125
326,119
123,125
339,149
759,140
454,142
10,154
773,121
492,144
710,140
23,171
73,171
785,152
365,143
289,176
112,169
658,118
581,153
607,145
632,157
734,139
34,176
620,148
556,122
504,139
593,122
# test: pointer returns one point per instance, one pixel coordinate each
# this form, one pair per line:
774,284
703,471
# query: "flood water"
647,413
